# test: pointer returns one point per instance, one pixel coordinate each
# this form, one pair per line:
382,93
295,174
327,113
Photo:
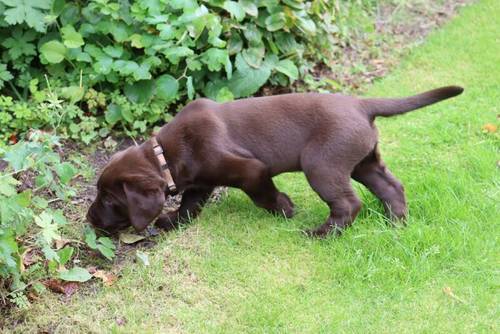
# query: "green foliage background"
87,67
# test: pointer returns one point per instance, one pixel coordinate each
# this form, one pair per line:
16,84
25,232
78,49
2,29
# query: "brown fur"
244,143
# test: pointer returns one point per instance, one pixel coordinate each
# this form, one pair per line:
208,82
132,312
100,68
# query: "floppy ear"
143,205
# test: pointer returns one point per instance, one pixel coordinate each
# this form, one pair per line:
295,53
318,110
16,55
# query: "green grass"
238,269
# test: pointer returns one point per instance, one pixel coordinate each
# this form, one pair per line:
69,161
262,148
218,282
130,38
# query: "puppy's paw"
285,205
168,221
324,231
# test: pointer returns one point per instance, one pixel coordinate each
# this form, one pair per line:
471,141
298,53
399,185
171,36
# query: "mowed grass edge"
238,269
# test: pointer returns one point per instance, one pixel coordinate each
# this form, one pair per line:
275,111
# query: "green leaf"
250,7
23,198
49,253
75,274
8,248
72,93
247,80
142,72
224,95
113,114
307,25
71,38
253,35
48,227
275,22
106,247
215,58
295,4
8,185
235,44
106,252
167,87
53,51
84,57
286,43
19,43
127,115
5,75
40,202
65,255
18,157
65,171
29,11
104,65
140,92
254,56
235,9
90,238
58,6
114,51
119,31
106,242
125,67
288,68
136,41
174,54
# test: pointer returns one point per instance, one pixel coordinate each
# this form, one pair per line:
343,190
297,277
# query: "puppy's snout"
91,217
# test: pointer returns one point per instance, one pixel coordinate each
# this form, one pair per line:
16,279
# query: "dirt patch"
398,27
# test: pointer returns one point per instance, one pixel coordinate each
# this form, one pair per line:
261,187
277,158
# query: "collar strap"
158,152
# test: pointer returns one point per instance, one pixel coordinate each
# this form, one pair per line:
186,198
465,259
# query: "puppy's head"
130,191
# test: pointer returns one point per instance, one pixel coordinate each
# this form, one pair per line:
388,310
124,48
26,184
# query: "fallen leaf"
107,278
60,243
142,257
489,127
29,257
110,143
13,139
448,291
58,286
92,270
130,238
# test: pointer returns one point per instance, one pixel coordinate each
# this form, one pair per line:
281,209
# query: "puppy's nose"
91,219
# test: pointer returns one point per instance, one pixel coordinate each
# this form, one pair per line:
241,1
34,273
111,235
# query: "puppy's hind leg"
373,174
335,189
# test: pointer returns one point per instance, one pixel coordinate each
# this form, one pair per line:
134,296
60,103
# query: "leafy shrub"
31,172
158,53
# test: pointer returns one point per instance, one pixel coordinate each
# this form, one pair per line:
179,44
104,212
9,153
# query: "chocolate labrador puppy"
331,138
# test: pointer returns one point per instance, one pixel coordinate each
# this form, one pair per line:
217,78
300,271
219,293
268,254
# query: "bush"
158,53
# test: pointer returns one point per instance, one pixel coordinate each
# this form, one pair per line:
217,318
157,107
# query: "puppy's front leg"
192,203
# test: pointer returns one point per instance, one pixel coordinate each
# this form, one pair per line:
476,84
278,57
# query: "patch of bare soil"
399,28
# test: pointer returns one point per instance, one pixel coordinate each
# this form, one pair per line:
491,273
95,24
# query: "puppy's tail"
389,107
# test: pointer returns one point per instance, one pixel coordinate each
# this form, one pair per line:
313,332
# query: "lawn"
238,269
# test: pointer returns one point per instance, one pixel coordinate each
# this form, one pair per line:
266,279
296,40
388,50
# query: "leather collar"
159,153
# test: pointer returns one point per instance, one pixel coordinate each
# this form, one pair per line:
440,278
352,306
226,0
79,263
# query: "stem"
15,91
48,83
183,74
